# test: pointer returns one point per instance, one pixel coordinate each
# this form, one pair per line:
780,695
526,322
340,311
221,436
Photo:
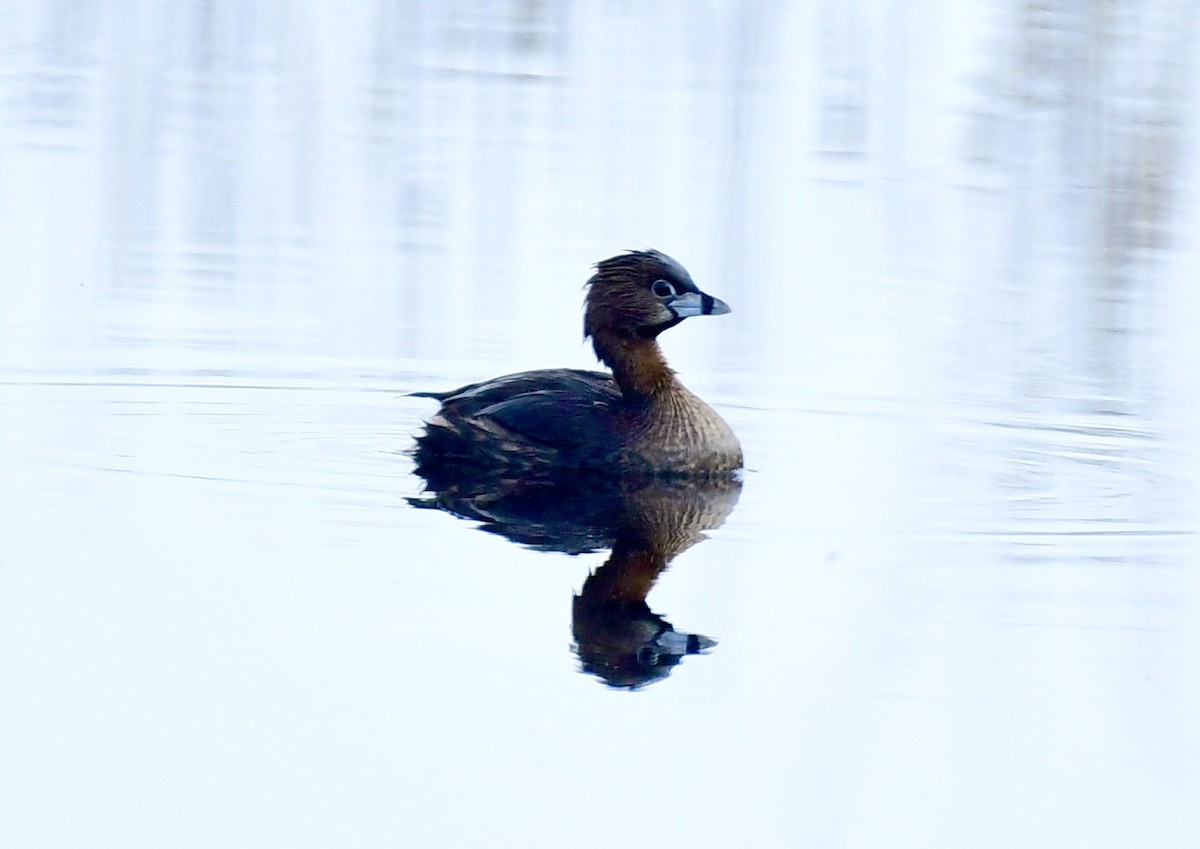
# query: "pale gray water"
957,601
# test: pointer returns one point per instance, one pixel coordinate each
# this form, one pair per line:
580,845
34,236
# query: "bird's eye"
647,656
662,289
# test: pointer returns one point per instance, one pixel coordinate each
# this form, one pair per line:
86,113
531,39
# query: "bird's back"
561,418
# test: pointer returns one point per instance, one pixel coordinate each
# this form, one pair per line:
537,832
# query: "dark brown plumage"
641,418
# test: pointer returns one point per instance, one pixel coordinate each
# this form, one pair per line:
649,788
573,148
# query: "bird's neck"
638,365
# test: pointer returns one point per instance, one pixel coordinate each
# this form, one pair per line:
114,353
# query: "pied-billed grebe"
640,418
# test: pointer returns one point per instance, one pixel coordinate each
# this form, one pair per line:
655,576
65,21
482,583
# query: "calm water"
955,601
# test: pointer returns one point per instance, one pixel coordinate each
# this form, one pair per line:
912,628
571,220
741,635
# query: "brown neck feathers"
638,365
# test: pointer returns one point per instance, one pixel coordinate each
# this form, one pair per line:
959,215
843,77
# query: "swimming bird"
639,418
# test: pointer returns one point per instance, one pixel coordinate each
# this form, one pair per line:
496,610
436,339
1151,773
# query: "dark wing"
554,418
475,396
561,410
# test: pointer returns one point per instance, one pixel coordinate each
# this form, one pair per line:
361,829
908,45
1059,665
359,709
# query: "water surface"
955,600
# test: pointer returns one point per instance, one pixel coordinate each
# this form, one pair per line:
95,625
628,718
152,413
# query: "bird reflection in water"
646,521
